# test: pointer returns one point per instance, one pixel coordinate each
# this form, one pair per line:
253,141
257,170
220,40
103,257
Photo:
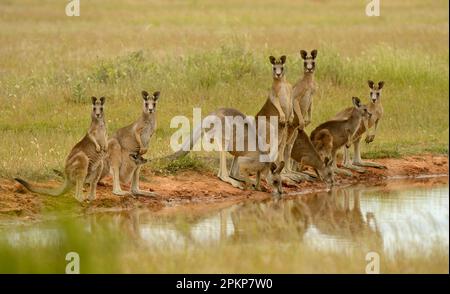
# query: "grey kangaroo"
376,109
132,139
85,161
343,131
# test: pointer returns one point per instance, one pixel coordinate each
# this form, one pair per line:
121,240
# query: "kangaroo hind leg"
223,173
96,174
77,170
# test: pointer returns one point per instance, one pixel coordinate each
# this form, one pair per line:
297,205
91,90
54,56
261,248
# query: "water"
398,217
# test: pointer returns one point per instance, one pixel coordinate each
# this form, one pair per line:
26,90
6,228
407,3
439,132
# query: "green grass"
209,54
189,162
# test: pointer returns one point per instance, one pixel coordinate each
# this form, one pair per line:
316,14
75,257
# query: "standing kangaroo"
132,139
343,130
302,94
85,161
279,102
290,116
376,109
306,86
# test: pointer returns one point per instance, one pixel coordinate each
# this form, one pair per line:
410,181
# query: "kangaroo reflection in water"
336,214
333,215
330,213
125,223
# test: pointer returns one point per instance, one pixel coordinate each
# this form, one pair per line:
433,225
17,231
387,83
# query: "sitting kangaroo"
343,131
132,139
376,109
85,161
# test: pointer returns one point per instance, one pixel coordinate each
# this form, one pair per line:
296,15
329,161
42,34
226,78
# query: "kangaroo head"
361,109
327,172
150,101
97,107
278,69
309,62
274,178
375,90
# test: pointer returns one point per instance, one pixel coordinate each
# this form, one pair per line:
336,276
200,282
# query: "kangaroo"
280,95
279,102
343,130
376,109
85,161
269,170
306,86
302,93
131,139
305,153
290,116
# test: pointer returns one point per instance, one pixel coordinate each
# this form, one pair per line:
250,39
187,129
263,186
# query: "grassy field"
210,54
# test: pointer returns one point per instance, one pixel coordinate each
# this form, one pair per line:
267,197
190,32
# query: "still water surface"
389,219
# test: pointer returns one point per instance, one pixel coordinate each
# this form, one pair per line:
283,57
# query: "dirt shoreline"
200,191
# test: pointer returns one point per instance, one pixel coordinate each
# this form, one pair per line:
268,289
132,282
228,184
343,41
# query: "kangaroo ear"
371,83
356,101
303,54
156,95
102,100
272,59
144,95
283,59
93,99
314,53
279,168
380,85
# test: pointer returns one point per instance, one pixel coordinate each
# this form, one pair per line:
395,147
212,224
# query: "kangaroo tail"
188,144
46,191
